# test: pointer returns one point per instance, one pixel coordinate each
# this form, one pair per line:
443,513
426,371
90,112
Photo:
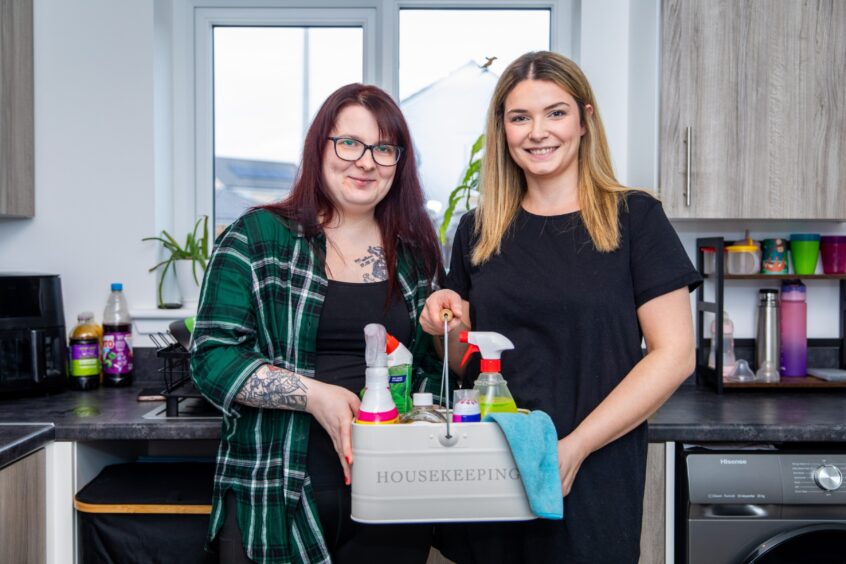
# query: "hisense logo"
732,461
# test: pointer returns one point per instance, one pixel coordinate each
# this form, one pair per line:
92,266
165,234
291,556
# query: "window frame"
192,78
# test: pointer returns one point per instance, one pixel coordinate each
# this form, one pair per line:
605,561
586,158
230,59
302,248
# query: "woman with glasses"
575,269
278,344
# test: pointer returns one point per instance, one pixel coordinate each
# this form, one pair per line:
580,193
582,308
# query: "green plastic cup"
804,252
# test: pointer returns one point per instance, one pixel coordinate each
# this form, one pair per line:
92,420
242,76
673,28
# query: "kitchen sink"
189,408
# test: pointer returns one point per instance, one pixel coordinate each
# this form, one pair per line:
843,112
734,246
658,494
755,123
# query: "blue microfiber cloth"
534,445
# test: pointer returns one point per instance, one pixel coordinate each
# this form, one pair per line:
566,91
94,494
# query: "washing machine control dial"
828,477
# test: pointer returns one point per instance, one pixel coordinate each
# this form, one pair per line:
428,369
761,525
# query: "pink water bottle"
793,312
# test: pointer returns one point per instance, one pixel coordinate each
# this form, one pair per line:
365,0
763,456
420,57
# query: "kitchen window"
268,84
256,76
445,85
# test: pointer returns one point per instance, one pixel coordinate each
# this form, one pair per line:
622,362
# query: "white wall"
103,157
604,57
93,153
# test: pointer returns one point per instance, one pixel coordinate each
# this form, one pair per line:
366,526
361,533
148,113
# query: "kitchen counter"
692,414
104,414
19,440
696,414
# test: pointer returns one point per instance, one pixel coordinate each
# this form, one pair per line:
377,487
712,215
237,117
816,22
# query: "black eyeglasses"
384,154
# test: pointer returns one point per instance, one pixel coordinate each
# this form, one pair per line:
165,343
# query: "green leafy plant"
195,249
469,185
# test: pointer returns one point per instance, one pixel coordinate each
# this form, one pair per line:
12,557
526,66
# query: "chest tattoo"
373,264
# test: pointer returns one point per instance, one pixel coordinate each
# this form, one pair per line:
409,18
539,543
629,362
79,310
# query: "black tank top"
347,308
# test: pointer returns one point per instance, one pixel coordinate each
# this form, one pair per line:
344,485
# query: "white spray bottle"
494,395
377,405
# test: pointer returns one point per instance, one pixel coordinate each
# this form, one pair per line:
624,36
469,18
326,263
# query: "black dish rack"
176,373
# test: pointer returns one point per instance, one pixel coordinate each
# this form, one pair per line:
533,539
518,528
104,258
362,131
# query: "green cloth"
260,304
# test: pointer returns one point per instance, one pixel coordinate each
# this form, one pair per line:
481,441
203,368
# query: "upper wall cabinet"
17,147
753,109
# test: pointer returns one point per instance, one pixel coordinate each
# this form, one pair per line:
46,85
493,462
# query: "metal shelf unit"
708,375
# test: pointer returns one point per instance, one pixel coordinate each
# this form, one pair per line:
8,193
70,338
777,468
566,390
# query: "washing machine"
778,505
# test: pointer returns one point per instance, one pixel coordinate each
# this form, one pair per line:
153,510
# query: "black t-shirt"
347,308
571,313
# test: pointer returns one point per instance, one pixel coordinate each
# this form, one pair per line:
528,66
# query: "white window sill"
150,321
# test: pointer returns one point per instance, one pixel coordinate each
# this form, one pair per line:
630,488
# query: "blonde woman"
575,269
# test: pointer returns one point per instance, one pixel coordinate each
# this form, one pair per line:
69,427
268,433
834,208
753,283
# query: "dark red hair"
401,215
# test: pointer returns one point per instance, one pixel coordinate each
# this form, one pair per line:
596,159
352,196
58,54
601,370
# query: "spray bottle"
399,373
493,391
377,405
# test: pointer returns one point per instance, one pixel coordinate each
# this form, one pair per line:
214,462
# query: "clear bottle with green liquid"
494,395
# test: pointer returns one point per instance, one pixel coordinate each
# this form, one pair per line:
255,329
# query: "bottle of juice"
117,339
494,395
84,366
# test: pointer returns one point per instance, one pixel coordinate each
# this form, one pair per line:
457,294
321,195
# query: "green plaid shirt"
260,304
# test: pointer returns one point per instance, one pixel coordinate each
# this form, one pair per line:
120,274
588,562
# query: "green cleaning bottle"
494,395
399,373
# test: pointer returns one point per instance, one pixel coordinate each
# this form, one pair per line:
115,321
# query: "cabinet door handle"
688,141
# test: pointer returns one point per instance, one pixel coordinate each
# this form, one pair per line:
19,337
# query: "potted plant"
468,187
187,261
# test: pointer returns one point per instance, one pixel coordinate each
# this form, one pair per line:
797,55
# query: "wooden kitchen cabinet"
654,527
23,506
17,147
753,109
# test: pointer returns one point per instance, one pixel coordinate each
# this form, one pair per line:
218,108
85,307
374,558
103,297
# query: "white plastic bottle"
377,405
117,339
728,347
400,362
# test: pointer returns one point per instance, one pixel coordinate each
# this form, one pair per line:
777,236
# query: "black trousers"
347,541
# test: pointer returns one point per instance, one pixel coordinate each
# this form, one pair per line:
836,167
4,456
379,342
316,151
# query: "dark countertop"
18,440
695,414
104,414
692,414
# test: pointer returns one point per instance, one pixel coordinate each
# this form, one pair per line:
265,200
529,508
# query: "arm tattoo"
375,261
271,386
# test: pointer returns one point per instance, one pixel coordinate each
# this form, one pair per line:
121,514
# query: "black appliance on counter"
33,348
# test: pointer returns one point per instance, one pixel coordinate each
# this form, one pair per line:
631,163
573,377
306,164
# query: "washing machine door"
824,543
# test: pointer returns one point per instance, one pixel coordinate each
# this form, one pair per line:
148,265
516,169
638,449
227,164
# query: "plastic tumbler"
833,250
774,256
805,251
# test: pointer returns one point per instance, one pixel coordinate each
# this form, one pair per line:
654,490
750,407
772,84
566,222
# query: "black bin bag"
147,513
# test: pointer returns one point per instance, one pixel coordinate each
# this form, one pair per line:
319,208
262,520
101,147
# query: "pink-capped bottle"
793,331
377,405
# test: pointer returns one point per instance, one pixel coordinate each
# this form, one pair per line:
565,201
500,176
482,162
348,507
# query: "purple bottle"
794,329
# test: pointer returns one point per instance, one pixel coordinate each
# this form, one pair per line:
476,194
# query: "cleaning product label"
117,353
84,358
399,378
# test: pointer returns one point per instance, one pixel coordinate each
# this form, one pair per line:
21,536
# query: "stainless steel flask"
767,337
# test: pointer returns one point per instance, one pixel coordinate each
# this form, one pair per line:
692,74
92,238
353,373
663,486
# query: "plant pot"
188,288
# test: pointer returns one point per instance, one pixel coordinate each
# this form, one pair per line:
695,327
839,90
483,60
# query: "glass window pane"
445,85
268,84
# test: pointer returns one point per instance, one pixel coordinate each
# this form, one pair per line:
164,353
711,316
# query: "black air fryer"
33,348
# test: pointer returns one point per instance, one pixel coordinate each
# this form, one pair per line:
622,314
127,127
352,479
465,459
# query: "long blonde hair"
502,182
